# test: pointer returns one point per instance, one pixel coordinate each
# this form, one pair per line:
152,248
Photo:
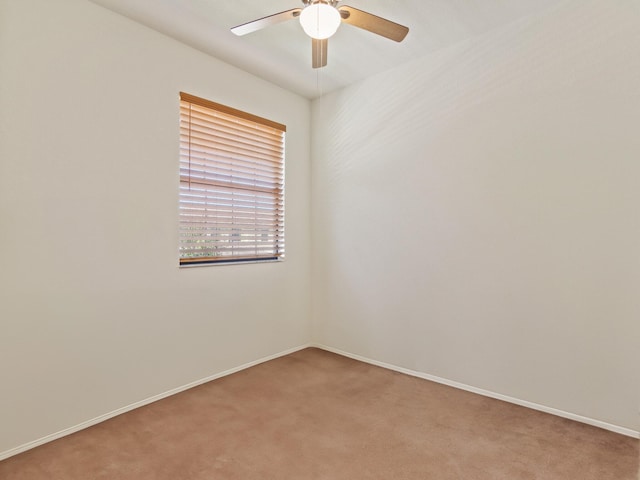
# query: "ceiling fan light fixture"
320,20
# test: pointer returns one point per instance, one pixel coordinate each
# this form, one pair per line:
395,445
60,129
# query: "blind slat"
223,160
214,127
200,171
205,139
202,149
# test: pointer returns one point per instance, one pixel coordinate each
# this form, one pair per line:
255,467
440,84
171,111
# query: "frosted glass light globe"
320,20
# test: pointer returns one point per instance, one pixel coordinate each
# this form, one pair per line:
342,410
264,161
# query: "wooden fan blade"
266,21
319,52
373,23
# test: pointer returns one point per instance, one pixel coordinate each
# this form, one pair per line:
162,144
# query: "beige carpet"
316,415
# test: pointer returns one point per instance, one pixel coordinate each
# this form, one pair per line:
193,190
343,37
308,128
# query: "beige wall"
475,213
95,314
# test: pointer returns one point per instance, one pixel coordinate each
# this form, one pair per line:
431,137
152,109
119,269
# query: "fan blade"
373,23
266,21
319,52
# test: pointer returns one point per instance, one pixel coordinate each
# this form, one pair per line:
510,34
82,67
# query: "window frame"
244,172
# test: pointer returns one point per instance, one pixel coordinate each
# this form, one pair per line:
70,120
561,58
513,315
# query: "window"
231,185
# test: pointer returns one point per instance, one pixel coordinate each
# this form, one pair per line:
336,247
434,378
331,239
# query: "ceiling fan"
320,19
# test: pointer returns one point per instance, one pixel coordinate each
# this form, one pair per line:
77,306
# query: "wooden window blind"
231,184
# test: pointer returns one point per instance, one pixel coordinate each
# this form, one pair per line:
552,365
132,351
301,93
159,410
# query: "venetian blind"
231,184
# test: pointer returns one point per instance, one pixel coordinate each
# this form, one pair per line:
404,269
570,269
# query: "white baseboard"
133,406
542,408
81,426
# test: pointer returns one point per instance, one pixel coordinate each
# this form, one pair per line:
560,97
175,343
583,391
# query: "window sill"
230,262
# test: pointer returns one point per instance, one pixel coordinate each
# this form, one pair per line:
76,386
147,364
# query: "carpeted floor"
316,415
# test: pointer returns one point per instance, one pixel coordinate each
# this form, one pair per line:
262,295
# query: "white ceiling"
282,53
